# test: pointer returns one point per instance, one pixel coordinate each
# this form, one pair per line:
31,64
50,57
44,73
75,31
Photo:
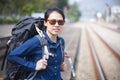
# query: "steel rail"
95,58
117,53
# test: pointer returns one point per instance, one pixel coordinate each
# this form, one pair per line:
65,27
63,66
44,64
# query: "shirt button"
55,60
55,73
55,67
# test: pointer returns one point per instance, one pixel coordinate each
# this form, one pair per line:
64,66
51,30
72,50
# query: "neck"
52,37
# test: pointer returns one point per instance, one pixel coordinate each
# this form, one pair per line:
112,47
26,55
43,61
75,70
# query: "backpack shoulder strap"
62,48
45,50
42,40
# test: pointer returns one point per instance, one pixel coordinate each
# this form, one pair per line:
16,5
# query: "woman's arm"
17,55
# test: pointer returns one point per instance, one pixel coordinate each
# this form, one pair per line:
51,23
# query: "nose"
56,24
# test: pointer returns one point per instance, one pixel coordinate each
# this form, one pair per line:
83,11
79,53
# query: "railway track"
112,27
97,59
108,58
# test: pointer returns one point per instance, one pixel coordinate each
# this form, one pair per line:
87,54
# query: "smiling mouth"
56,30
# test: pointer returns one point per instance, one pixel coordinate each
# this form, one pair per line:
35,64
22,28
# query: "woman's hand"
63,67
41,64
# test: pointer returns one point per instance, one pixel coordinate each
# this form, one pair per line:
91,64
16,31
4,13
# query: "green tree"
62,3
9,9
26,7
73,12
4,6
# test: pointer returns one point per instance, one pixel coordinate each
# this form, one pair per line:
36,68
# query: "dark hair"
50,10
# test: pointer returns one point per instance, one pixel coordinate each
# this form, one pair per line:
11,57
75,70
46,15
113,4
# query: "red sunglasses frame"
54,21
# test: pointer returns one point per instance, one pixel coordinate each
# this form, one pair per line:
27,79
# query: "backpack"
21,32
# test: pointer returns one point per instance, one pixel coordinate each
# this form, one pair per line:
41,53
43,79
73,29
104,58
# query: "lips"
56,30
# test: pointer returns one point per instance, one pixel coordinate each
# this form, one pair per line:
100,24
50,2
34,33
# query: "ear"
45,23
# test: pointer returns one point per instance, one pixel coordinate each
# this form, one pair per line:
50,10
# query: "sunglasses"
53,22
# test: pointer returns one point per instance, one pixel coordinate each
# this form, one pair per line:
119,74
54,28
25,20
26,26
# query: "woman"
47,69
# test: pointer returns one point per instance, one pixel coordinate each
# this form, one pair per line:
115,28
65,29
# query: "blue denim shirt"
32,49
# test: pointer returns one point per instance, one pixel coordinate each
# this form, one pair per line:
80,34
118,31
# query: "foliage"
26,7
14,8
73,12
8,20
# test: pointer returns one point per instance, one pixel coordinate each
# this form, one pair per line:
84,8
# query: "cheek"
49,27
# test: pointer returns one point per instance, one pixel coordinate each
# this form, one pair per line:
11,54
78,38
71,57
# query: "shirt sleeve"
17,55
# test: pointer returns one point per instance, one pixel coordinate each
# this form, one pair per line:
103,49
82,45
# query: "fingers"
44,63
63,66
41,64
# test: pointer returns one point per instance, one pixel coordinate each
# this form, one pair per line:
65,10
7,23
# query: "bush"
8,20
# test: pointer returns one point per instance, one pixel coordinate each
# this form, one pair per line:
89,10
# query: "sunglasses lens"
60,22
53,22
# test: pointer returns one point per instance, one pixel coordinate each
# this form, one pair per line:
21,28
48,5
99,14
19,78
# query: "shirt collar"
49,40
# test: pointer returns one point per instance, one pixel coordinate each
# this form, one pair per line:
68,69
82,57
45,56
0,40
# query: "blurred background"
75,10
12,10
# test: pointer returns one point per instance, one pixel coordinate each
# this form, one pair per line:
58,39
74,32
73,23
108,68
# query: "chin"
55,34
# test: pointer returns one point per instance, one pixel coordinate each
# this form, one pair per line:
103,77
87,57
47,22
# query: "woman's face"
54,23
